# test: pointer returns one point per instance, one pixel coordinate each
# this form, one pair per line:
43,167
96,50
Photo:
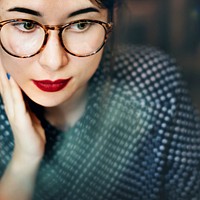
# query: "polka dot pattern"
139,138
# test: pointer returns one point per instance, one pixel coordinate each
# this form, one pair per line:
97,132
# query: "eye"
81,26
25,26
28,25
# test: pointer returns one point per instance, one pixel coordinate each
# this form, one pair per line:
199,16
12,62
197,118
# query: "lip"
51,86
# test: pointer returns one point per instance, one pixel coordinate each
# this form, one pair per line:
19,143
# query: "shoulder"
152,74
150,78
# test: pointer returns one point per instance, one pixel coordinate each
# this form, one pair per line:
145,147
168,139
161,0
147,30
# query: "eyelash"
23,29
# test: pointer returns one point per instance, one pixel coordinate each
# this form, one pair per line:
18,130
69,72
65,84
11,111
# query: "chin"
46,101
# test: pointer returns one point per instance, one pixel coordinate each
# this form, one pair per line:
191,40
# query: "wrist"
24,163
19,177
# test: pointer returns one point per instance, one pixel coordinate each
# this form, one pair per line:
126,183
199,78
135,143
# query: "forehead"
46,2
47,7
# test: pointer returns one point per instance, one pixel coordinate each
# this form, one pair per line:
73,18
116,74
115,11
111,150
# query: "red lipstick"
51,86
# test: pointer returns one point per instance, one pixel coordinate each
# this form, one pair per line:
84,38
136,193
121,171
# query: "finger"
11,94
19,104
3,72
6,92
4,82
3,79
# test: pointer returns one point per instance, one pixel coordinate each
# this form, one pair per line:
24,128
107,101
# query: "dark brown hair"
109,5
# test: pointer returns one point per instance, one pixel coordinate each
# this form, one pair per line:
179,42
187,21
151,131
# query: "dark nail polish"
8,76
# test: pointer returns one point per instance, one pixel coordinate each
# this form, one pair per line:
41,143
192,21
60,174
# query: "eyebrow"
36,13
25,10
83,11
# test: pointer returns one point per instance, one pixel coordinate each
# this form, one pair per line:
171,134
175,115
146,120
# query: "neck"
68,113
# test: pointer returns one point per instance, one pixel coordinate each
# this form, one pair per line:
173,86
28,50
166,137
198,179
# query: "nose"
53,56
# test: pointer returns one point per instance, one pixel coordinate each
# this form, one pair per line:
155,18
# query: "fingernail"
8,76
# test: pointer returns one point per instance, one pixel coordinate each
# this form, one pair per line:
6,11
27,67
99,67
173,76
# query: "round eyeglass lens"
83,38
22,38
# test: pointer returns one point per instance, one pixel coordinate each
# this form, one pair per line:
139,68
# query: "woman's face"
40,76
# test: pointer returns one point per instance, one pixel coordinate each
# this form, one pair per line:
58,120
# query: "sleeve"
169,150
182,170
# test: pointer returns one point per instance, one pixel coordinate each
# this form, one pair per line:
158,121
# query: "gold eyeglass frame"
108,26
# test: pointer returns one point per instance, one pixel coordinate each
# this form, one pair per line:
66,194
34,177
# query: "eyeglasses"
25,38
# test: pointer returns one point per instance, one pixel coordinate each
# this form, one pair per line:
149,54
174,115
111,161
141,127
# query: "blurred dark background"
171,25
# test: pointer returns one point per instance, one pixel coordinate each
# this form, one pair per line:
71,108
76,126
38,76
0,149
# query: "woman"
78,123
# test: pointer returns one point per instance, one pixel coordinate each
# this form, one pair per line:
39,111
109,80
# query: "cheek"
90,65
13,66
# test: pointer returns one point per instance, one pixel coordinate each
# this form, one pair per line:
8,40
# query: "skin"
52,63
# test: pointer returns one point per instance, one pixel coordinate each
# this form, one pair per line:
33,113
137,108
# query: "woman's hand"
18,179
28,133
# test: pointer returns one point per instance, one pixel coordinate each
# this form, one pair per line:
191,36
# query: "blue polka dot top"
138,139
